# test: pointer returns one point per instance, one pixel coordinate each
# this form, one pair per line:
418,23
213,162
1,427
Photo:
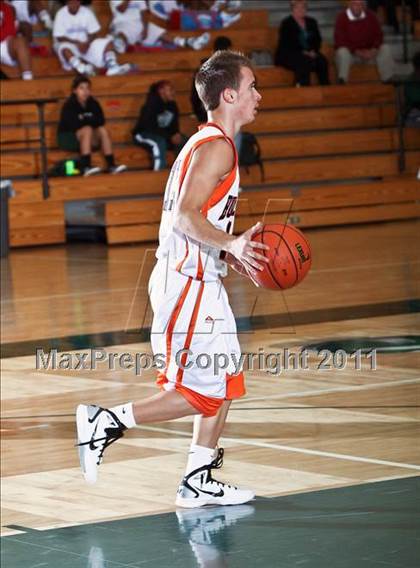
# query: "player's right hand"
244,249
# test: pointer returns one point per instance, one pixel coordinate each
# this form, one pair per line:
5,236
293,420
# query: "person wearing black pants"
82,128
299,46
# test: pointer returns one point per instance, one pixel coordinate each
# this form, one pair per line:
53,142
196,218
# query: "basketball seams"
281,238
268,266
264,253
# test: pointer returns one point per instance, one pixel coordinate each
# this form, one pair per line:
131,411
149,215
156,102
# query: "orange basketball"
290,256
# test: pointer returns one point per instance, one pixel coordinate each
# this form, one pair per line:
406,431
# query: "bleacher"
331,154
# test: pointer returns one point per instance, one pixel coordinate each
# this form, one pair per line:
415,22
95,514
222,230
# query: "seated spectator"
130,25
299,46
358,37
14,49
157,127
78,42
82,128
28,13
412,95
221,43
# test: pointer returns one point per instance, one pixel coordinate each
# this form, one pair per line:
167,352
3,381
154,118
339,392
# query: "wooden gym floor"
333,455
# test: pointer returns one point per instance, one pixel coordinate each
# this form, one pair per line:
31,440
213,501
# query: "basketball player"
192,315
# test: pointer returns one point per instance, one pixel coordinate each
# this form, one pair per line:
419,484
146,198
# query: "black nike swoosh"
91,444
220,494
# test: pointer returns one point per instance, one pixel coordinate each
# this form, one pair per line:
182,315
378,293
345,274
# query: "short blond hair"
221,71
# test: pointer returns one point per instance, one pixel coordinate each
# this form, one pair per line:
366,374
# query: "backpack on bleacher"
250,152
261,58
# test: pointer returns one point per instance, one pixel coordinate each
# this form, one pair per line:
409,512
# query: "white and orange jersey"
184,254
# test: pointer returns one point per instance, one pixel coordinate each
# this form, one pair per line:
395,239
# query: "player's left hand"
238,267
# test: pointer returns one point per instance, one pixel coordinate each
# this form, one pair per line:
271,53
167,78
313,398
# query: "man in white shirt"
130,25
79,45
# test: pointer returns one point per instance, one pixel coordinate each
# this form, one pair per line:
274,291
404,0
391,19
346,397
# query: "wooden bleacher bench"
284,120
127,220
24,162
28,162
127,105
293,172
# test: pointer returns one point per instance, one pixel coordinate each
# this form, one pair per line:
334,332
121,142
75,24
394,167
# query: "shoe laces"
217,464
112,434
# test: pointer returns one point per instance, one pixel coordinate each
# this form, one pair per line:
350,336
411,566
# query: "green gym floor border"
244,325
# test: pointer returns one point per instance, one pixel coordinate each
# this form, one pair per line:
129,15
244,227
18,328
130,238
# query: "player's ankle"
198,456
124,413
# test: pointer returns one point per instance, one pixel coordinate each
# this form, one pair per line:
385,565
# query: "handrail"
399,82
40,104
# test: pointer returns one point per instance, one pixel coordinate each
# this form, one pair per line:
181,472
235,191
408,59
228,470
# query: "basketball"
290,256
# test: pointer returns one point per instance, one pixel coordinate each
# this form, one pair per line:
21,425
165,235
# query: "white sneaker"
91,171
229,19
119,44
117,169
198,42
85,69
118,70
198,488
97,428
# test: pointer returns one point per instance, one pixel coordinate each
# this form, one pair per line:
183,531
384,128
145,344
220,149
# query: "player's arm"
210,163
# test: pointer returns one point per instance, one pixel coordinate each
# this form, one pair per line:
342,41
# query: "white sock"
198,456
110,59
27,75
180,41
77,64
124,413
46,19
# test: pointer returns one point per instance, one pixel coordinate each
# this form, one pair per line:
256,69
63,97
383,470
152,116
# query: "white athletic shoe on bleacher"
118,70
85,69
198,488
117,169
119,44
91,171
198,42
229,19
97,428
